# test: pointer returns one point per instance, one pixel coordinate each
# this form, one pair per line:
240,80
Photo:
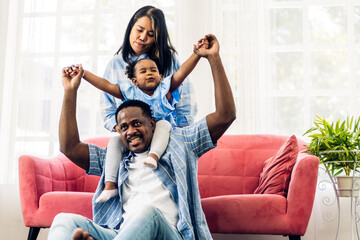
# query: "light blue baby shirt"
185,109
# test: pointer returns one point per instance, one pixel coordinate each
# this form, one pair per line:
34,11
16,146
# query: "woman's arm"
108,103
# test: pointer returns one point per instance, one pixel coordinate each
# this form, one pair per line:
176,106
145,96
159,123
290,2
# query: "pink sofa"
227,177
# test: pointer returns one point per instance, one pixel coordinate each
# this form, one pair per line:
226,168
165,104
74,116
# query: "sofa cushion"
246,213
52,203
275,177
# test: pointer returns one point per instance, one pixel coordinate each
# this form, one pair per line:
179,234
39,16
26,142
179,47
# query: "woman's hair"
130,68
162,48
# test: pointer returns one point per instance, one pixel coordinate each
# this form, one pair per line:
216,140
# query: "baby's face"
147,76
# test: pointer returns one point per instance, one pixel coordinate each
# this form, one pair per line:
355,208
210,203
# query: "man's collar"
128,156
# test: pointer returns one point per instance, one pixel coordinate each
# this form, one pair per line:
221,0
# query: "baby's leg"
159,143
113,157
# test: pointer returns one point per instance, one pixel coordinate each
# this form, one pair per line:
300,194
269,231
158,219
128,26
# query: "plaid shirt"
177,169
185,109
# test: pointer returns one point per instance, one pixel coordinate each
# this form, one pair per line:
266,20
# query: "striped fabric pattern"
177,169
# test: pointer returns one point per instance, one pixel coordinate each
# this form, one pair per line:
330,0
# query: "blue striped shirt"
177,169
185,109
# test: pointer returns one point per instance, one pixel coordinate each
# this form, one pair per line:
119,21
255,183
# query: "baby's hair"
130,68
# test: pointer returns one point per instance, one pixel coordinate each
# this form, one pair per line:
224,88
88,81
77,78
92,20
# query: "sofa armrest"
38,176
302,190
30,189
33,172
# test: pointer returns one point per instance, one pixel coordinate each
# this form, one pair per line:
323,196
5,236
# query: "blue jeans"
149,224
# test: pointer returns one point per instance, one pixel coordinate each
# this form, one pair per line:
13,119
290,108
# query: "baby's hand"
72,70
71,76
207,46
202,43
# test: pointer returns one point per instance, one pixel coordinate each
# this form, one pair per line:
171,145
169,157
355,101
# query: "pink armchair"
227,178
50,186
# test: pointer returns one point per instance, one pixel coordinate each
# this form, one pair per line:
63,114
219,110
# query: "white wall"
4,5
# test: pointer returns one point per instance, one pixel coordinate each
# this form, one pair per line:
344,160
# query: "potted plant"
337,145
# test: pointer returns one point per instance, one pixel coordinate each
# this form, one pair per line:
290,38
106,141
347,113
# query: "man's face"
136,129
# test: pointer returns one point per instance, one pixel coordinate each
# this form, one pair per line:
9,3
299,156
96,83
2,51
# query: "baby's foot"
150,162
106,195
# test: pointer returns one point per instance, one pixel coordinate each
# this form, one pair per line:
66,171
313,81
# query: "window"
286,61
289,61
312,62
50,35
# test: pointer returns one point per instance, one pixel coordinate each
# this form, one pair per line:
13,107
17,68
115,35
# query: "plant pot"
346,186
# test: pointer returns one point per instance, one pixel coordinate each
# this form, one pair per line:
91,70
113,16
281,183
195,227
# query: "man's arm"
225,113
70,144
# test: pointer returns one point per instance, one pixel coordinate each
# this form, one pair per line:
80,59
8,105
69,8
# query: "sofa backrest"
234,166
66,176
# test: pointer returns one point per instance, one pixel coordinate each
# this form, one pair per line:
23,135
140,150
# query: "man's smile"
134,141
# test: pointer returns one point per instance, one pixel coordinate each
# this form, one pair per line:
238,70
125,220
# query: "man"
152,204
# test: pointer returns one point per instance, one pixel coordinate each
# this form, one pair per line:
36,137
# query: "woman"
146,36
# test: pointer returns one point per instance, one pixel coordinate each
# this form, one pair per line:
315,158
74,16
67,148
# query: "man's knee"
149,210
68,219
60,217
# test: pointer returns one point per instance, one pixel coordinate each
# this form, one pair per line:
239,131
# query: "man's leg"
64,225
148,224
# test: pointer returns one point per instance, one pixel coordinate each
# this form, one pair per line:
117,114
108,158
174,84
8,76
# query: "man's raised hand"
213,48
71,77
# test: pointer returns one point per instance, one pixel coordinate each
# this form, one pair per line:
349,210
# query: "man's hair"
130,68
146,110
162,48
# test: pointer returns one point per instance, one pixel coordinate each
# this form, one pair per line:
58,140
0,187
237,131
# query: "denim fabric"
177,169
185,109
65,223
148,224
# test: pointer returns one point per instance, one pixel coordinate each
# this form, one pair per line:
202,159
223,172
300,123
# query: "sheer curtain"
283,65
43,37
